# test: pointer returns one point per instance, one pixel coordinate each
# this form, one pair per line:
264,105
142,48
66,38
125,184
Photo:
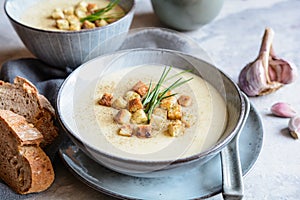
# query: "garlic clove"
282,109
294,127
267,73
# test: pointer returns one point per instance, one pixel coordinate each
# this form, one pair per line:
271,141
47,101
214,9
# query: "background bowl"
186,14
68,48
81,85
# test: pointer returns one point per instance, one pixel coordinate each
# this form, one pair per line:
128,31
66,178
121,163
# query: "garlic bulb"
294,127
267,73
282,109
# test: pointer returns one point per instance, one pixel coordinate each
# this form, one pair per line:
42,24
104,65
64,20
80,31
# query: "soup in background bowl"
216,112
65,48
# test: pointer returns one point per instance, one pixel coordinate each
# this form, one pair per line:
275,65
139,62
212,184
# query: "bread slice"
23,164
23,98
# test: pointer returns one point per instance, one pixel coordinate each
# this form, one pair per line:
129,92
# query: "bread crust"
24,166
42,173
23,98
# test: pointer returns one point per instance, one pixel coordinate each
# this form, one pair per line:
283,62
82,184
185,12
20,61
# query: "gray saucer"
203,181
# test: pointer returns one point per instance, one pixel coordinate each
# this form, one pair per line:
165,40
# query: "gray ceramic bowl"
81,85
68,49
186,14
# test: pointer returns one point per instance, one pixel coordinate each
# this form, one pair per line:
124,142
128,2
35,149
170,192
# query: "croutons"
135,104
131,95
175,112
73,19
88,25
91,7
111,20
62,24
58,14
167,103
69,11
126,130
119,103
81,10
141,88
123,117
106,100
143,131
175,128
158,119
139,117
80,13
158,122
74,23
184,100
75,27
82,5
100,23
160,112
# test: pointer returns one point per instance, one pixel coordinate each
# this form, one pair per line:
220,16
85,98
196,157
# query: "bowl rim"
210,151
127,14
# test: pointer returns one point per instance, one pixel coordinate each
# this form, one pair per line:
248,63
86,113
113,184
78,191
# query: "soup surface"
39,14
97,126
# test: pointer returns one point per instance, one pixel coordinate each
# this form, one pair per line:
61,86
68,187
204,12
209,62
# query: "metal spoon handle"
233,188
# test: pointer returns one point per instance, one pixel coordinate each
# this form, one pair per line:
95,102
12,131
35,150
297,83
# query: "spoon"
233,187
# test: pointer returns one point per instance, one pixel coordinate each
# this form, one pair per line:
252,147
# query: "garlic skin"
282,109
294,127
267,73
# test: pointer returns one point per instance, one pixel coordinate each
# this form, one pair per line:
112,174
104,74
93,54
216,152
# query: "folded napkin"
46,78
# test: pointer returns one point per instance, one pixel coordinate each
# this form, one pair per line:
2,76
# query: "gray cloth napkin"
46,78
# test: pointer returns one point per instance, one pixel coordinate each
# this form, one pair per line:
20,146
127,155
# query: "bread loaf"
23,98
23,164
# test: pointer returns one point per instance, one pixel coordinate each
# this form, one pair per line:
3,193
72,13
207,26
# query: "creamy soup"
39,15
96,122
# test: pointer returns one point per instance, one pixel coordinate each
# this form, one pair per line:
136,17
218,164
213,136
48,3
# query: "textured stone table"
232,40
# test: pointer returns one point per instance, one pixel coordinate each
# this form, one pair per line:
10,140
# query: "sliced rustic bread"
22,97
23,164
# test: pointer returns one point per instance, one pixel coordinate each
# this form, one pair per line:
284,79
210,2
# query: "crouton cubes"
159,119
139,117
167,103
144,131
176,128
62,24
131,95
88,25
158,122
123,117
119,103
64,18
184,100
160,112
135,104
133,118
140,88
126,130
58,14
106,100
175,112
